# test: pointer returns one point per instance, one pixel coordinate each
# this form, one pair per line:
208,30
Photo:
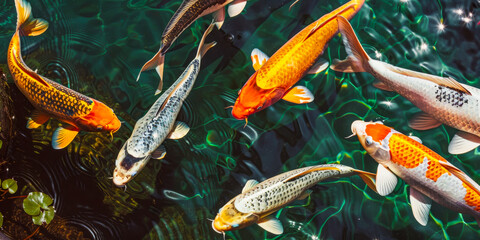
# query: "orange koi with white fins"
429,175
274,77
49,98
442,99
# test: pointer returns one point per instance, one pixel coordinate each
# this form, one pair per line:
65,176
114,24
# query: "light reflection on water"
97,48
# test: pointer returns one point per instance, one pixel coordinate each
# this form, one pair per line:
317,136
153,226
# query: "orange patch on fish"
472,198
435,170
377,131
410,153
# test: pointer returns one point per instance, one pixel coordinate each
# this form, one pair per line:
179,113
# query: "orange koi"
50,99
429,175
275,76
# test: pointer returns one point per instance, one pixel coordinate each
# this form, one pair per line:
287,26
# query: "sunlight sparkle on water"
423,46
378,54
441,27
458,11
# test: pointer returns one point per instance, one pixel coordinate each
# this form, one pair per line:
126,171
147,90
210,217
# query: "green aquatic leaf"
11,185
1,220
45,217
35,202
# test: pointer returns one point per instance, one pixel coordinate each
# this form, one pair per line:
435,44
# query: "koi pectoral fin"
421,205
463,142
219,17
382,86
179,130
249,184
271,224
423,121
305,194
159,153
236,7
299,95
386,181
37,119
64,136
258,58
319,67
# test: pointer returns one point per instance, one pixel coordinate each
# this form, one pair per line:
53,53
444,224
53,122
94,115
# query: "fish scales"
419,166
186,14
448,106
152,129
57,100
284,65
272,194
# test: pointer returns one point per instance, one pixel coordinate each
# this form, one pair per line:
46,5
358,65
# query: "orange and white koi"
49,98
429,175
275,76
258,201
442,99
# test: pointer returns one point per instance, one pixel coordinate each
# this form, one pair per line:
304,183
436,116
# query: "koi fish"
50,99
258,201
429,175
188,12
442,99
275,76
159,123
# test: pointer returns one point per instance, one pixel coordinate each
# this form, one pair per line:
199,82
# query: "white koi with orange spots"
429,175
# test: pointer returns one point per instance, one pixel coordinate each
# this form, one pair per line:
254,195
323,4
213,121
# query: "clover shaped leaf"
37,204
11,185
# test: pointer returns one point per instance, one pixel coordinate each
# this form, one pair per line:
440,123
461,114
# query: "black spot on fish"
450,96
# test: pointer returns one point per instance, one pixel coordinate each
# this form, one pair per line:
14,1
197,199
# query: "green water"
98,47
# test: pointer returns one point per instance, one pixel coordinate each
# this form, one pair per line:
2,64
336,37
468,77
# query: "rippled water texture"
98,47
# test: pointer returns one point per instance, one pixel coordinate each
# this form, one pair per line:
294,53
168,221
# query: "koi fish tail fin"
156,62
27,25
202,46
357,57
368,178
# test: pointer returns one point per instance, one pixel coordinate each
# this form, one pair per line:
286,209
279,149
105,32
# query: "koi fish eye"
368,140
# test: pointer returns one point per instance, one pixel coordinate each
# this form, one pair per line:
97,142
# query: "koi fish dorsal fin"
309,171
442,81
27,25
320,24
461,175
